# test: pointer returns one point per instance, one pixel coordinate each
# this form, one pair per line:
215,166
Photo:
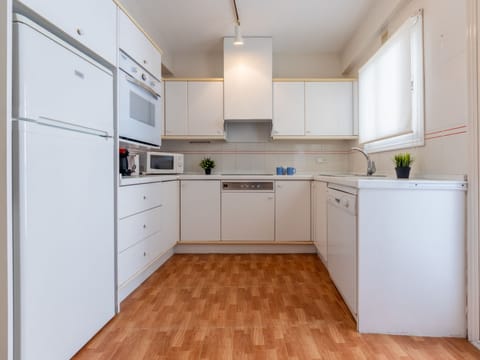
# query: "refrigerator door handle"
48,121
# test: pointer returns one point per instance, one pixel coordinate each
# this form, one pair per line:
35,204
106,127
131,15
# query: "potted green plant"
403,162
207,164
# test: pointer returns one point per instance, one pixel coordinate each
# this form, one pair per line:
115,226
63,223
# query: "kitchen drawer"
134,228
137,198
137,257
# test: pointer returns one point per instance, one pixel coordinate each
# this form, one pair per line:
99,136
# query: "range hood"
248,80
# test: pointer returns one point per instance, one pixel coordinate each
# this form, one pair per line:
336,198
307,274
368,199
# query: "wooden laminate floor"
249,307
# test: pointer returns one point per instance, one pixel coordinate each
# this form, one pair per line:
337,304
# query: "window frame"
417,136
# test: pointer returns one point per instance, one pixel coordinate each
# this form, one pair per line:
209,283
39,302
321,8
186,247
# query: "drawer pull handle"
144,197
79,31
144,253
144,226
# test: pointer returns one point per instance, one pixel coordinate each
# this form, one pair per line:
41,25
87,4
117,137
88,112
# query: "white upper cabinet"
194,108
329,109
288,109
205,108
134,42
176,113
248,79
90,22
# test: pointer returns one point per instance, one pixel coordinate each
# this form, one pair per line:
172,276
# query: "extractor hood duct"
248,79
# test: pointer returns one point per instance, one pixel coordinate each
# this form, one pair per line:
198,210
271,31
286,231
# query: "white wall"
284,65
5,183
446,96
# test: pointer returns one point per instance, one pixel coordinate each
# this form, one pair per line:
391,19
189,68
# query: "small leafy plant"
207,163
403,160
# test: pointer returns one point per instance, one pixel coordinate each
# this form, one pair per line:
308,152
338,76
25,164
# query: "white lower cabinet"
170,213
248,216
200,210
292,211
319,218
148,227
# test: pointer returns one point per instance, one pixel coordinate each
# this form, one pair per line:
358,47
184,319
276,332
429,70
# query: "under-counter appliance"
63,195
342,243
248,211
152,162
140,105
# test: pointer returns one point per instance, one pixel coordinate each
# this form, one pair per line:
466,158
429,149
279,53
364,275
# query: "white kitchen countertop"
357,182
144,179
377,182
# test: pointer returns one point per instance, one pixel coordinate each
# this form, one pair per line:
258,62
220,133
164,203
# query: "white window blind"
389,87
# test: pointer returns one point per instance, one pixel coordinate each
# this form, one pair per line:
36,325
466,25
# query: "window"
391,114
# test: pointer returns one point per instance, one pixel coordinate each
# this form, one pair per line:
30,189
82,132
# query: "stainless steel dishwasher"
248,211
342,242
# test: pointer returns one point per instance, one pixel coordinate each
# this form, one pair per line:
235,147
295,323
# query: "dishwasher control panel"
247,186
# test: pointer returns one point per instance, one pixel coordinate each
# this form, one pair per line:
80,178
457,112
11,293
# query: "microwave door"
140,112
162,162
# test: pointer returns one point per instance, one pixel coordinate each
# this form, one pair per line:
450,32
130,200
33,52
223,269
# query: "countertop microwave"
154,162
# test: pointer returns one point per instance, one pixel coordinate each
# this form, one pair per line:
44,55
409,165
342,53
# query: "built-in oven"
140,105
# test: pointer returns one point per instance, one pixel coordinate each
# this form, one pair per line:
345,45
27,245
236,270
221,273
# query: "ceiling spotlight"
238,36
238,33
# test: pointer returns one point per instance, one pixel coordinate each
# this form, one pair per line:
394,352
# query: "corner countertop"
382,182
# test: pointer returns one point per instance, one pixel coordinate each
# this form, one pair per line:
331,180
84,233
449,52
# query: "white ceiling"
297,26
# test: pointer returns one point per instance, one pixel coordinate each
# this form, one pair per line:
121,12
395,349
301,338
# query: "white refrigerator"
64,265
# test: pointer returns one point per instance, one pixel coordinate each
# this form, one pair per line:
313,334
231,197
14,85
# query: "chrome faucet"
370,163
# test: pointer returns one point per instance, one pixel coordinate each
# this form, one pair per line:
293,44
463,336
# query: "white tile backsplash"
264,157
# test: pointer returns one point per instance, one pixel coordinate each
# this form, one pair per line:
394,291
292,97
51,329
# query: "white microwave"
152,162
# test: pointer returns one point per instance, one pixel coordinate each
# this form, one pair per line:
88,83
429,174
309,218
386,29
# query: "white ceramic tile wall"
306,157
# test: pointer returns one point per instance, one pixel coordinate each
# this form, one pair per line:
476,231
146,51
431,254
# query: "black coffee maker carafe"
124,170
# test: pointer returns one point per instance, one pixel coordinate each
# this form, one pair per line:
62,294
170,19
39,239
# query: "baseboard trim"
128,287
476,344
245,248
245,242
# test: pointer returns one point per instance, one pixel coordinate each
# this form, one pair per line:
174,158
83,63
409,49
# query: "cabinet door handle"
145,62
144,197
144,226
80,31
144,253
